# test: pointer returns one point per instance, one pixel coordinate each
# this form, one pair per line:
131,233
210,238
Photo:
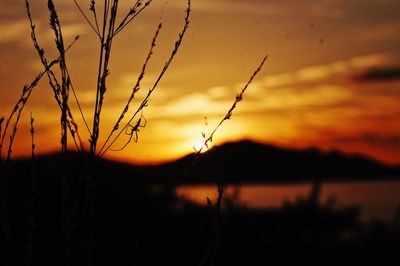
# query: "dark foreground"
63,212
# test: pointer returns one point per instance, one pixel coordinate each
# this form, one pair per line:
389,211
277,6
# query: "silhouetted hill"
236,162
130,213
247,162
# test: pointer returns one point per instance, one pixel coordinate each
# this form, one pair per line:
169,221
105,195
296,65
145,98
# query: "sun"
198,144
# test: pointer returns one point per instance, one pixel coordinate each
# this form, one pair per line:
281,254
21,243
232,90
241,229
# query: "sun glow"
199,145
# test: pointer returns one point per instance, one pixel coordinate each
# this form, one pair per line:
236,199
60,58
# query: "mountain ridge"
236,162
248,161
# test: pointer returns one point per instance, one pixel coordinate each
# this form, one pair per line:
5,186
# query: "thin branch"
18,108
93,9
87,19
26,92
32,130
228,115
65,85
216,232
130,16
1,132
164,70
131,12
53,82
79,105
31,200
107,8
105,53
133,132
135,88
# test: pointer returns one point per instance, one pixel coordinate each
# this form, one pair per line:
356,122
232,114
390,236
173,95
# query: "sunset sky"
332,78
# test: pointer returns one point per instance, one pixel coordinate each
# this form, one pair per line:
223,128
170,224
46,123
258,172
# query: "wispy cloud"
346,88
378,74
318,73
12,31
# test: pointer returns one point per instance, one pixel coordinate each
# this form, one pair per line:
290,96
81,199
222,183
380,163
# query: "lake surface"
377,199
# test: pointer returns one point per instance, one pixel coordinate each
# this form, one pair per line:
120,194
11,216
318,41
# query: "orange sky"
332,79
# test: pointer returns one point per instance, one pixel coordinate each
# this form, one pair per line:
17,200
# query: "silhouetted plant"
31,199
106,27
19,107
32,130
61,91
1,131
239,98
216,232
135,127
27,90
134,91
1,124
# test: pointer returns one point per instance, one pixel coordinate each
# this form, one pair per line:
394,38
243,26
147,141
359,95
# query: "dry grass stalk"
106,35
31,199
135,89
1,131
134,11
32,130
56,27
92,8
18,108
135,126
103,72
216,232
239,98
54,83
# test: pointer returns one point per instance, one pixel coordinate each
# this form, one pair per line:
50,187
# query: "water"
377,199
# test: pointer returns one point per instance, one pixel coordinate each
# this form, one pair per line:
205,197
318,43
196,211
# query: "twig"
215,240
79,106
135,89
56,26
105,52
32,138
53,82
18,108
144,103
96,30
1,132
31,200
93,9
228,115
216,232
131,15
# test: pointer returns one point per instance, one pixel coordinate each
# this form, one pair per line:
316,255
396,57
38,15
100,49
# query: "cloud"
322,72
324,10
18,31
378,74
371,138
12,31
293,97
220,92
195,103
312,93
238,6
73,29
319,73
370,60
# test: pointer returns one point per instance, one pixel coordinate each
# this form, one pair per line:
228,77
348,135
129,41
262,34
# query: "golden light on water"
276,195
